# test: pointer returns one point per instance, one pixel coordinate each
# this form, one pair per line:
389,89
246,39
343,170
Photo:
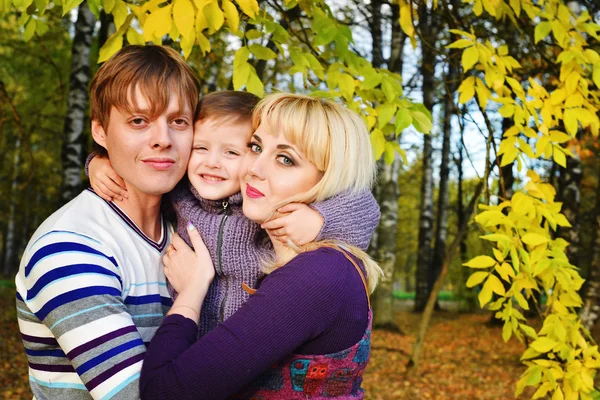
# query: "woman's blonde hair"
336,141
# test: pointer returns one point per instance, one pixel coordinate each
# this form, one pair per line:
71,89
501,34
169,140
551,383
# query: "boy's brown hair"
155,70
227,105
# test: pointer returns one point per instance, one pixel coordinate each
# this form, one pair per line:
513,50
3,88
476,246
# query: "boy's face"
217,152
149,154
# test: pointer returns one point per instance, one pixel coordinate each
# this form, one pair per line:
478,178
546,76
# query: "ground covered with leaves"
463,358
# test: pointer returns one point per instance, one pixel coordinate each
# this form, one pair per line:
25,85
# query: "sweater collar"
234,202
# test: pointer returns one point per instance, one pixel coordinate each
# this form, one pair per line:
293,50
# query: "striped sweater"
91,293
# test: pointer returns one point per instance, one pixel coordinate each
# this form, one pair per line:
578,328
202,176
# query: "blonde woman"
305,332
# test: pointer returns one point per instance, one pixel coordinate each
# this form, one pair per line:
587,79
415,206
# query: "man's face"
217,153
151,155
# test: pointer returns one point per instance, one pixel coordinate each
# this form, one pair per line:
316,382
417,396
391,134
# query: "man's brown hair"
229,105
155,70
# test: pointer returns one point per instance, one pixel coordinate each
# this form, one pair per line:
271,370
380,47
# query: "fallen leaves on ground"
463,358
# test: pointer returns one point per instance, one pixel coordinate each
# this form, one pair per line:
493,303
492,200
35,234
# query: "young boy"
211,200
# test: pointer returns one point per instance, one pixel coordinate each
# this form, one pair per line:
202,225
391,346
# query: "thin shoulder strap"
360,273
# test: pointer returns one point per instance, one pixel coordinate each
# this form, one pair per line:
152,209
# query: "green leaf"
108,5
261,52
403,120
29,30
371,80
542,30
390,153
476,278
346,84
388,89
386,113
68,5
543,344
421,122
378,142
253,34
534,239
480,262
241,75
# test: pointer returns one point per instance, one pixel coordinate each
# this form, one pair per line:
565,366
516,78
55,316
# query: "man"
90,289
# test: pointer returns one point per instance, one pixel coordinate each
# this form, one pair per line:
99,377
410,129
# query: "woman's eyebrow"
288,147
258,139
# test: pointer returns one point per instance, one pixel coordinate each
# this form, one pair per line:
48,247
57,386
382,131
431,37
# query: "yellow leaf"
460,44
559,32
562,220
187,43
386,113
543,345
509,156
184,16
378,142
572,81
406,19
254,84
559,157
534,239
476,278
558,394
241,75
557,97
134,37
231,13
570,120
496,285
596,74
111,46
158,23
203,42
484,296
249,7
469,58
498,254
542,30
559,137
480,262
108,5
466,90
214,15
506,331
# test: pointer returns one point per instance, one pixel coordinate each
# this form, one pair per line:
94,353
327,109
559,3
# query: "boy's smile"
217,151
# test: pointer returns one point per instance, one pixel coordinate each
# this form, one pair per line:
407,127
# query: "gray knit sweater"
237,245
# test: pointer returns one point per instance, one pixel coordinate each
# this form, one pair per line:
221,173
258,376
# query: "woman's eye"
254,147
285,160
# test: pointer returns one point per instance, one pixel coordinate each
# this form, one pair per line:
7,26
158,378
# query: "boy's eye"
200,148
232,153
285,160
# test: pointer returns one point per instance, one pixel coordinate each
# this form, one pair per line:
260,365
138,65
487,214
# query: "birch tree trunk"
74,142
426,207
9,262
385,252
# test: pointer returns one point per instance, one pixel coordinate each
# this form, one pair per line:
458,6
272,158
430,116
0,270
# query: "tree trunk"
376,36
591,306
441,233
73,155
386,245
10,246
395,63
426,208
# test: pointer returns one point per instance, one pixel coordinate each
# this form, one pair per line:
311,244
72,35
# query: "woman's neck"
283,253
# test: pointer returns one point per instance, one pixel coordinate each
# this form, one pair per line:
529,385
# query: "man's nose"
161,135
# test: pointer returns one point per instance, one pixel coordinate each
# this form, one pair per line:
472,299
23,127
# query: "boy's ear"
98,133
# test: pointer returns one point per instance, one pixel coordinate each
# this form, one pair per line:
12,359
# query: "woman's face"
273,171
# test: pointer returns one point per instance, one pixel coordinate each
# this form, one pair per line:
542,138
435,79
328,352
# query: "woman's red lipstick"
253,193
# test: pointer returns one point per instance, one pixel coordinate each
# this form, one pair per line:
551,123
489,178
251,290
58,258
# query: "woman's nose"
256,169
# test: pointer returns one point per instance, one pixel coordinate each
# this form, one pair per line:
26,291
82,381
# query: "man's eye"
138,121
180,121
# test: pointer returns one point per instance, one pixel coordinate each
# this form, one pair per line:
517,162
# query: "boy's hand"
105,181
296,222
